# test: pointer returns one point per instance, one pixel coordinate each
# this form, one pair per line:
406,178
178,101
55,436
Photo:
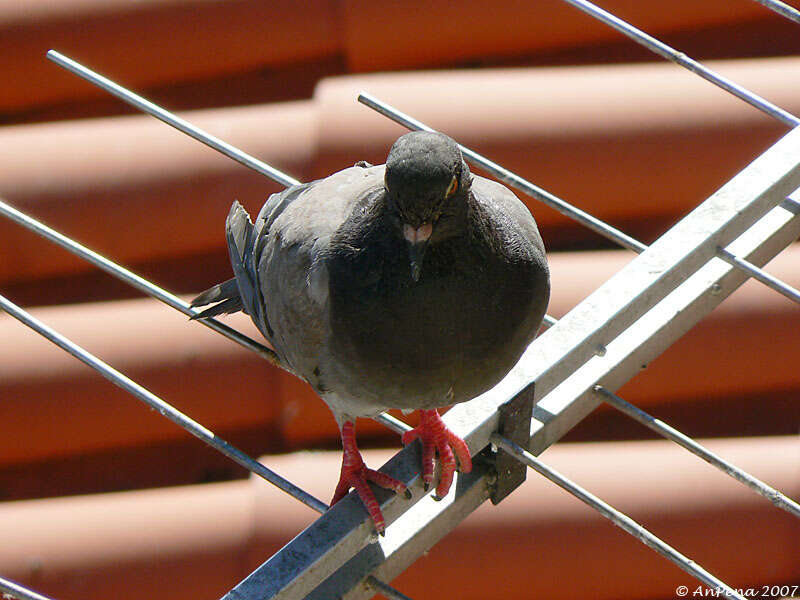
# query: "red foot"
355,474
435,436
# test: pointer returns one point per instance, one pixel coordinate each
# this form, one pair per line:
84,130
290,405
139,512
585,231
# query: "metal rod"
171,119
159,293
14,590
213,142
615,516
680,58
162,407
166,297
759,274
388,591
512,179
132,279
392,423
770,493
782,9
557,361
502,174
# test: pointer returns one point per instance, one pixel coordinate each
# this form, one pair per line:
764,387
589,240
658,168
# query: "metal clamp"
515,425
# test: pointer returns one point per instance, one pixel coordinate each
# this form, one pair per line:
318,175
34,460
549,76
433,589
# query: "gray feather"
231,305
221,291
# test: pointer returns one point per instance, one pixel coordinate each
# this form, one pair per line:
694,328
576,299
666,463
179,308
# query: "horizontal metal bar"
662,49
510,178
782,9
161,407
760,275
15,590
618,518
132,279
770,493
170,119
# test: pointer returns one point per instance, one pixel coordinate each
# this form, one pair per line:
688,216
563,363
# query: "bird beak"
417,239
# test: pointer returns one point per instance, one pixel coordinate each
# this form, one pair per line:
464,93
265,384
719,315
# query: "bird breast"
445,338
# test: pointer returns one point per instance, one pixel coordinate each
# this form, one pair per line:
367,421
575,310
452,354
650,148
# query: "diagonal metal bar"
14,590
618,518
760,275
392,423
161,407
557,412
510,178
414,532
782,9
334,557
777,498
386,590
634,316
662,49
651,334
588,329
170,119
132,279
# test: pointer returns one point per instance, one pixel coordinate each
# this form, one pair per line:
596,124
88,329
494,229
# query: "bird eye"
451,189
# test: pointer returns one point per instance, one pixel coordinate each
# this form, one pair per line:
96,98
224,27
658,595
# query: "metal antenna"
14,590
669,287
782,9
170,119
160,406
662,49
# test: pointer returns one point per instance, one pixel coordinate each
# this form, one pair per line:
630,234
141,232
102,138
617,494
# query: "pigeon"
412,285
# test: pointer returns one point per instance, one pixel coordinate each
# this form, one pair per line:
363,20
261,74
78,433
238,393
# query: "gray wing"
246,241
282,273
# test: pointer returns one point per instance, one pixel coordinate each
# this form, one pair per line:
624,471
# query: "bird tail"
227,296
224,296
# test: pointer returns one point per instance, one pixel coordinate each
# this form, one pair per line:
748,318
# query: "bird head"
427,182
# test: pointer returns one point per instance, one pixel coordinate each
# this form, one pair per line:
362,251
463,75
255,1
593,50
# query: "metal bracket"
515,425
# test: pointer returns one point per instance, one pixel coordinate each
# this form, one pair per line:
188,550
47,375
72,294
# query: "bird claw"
355,474
436,437
357,478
